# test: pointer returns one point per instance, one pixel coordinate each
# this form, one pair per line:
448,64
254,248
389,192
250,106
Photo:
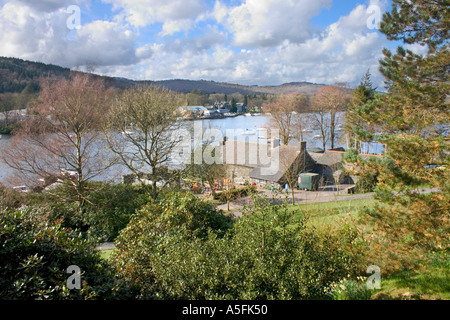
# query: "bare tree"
204,171
321,120
61,140
330,100
140,132
292,162
285,114
300,125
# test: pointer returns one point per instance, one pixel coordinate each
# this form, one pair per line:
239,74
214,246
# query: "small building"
249,162
308,181
240,108
267,163
194,111
330,167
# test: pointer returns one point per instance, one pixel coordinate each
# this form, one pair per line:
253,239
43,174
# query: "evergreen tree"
233,105
410,116
361,105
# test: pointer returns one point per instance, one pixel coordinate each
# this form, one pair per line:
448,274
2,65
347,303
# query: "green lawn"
431,283
328,213
106,254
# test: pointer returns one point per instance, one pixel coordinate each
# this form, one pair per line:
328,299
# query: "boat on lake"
249,132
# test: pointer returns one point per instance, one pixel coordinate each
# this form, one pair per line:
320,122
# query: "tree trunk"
332,128
154,190
79,169
293,195
80,195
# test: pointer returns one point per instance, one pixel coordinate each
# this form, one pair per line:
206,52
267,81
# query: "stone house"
330,167
267,163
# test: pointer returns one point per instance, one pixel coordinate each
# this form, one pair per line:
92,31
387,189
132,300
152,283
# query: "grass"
331,213
430,283
106,254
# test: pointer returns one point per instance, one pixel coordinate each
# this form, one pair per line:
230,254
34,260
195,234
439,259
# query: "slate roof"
247,154
288,155
259,157
328,158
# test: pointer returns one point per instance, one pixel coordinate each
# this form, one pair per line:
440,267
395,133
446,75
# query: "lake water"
244,124
253,123
5,171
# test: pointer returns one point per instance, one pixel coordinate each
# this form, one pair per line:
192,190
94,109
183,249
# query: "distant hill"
293,87
16,74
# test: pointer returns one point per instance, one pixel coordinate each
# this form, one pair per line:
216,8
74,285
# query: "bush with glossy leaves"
35,256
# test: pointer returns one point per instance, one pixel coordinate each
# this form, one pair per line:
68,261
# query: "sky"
249,42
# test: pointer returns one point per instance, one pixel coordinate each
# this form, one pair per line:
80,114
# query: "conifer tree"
361,105
411,117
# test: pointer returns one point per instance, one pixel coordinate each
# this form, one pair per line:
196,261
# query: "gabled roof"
287,158
333,159
257,173
247,154
327,158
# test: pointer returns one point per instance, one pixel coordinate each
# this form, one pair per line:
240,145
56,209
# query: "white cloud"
102,43
265,23
341,53
174,14
22,30
171,27
46,5
211,37
44,37
417,48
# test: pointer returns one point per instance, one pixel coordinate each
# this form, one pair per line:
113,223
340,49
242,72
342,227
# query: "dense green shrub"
138,243
35,255
268,254
108,207
367,170
10,198
367,182
7,129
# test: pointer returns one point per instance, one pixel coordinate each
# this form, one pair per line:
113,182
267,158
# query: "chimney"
302,146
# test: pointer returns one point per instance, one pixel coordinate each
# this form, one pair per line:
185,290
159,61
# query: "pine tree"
362,103
411,117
